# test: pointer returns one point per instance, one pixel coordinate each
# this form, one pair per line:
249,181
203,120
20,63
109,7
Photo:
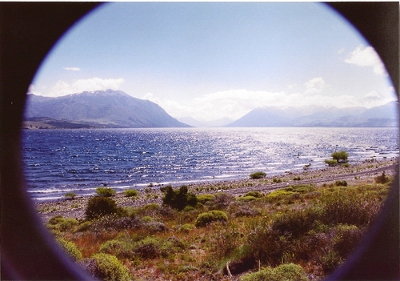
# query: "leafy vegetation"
212,216
106,267
258,175
179,198
283,272
70,248
287,234
131,193
70,195
101,206
105,191
338,157
382,178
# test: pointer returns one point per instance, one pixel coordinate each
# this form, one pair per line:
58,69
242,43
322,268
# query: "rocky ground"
364,172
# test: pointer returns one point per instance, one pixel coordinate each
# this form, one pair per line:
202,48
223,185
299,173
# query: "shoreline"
363,172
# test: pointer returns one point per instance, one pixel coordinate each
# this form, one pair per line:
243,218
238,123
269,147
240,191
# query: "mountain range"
98,109
316,116
116,109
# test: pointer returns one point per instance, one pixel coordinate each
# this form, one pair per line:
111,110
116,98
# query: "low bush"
83,226
205,198
284,272
105,191
178,199
331,162
382,178
246,198
346,239
70,195
222,201
109,268
277,180
296,222
152,247
131,193
186,228
255,194
101,206
330,261
348,206
70,248
341,183
59,223
279,195
258,175
212,216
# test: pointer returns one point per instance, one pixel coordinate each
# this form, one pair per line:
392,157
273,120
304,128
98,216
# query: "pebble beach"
361,173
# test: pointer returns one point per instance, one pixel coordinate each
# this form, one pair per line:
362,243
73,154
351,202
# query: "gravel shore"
361,173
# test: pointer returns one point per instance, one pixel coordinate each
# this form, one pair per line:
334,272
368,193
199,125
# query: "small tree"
340,156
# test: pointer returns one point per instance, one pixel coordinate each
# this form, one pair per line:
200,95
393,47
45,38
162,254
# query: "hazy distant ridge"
380,116
106,108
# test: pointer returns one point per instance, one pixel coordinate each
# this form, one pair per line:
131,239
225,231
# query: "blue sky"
213,60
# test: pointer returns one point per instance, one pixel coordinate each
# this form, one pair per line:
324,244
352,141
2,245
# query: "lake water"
61,161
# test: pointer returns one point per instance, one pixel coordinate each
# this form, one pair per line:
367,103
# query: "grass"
306,228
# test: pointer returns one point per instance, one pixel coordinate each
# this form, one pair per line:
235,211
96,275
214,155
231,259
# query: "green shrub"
151,247
131,193
204,198
121,249
59,223
348,206
346,239
70,195
297,222
105,191
284,272
178,199
212,216
331,162
277,180
258,175
109,268
83,226
278,195
382,178
246,198
255,194
341,183
186,228
331,261
70,248
101,206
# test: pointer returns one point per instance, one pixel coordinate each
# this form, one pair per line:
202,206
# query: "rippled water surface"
61,161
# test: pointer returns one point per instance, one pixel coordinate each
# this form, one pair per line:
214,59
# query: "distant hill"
380,116
214,123
99,109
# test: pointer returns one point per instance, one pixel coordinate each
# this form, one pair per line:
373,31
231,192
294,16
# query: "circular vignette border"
27,33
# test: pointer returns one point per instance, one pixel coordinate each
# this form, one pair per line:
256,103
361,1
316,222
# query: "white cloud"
366,56
72,68
315,86
238,102
62,88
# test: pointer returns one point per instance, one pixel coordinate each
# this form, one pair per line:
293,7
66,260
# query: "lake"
61,161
